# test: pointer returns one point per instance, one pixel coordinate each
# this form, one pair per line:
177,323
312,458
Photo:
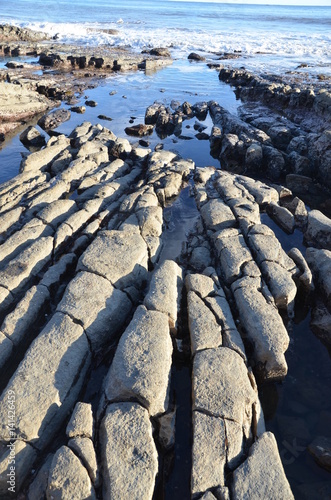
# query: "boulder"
54,119
59,357
193,56
205,332
283,217
321,323
43,159
217,215
139,130
31,137
84,449
320,448
160,52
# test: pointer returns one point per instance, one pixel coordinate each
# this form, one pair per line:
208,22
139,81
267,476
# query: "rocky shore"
66,72
82,231
96,317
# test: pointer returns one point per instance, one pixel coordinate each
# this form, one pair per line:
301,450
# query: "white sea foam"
285,48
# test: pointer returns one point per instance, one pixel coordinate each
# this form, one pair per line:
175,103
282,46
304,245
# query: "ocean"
268,37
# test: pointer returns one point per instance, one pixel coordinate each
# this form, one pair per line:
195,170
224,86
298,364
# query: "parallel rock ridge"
83,281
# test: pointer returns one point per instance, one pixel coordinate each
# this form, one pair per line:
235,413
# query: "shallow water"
182,81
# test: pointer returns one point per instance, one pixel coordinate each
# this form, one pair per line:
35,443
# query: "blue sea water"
269,36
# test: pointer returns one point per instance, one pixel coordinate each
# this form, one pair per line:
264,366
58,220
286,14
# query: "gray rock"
100,308
305,274
208,453
54,119
318,231
298,208
167,429
281,285
222,493
217,215
27,265
319,262
221,386
233,254
39,484
6,299
205,332
59,357
202,285
320,448
9,219
68,475
21,239
18,323
264,327
24,454
231,337
262,474
54,273
142,362
275,163
196,57
320,323
254,157
83,448
200,258
56,212
129,456
6,349
283,217
165,291
42,159
119,256
81,421
21,103
32,137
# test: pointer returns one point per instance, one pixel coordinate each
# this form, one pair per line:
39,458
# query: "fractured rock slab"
263,325
320,263
205,332
97,305
119,256
221,386
129,455
142,362
68,475
208,453
164,293
81,421
217,215
58,357
262,474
